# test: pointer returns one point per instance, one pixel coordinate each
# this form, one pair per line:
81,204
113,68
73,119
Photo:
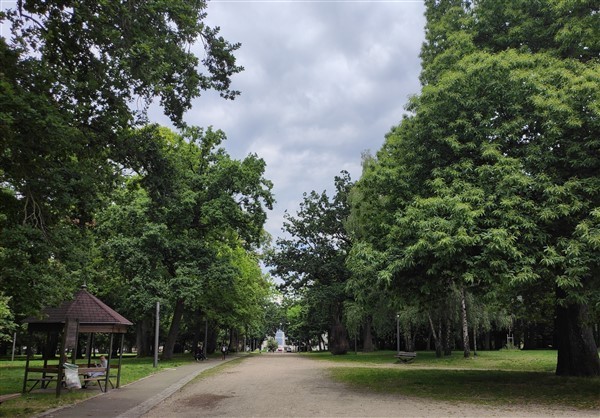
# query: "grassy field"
11,381
493,378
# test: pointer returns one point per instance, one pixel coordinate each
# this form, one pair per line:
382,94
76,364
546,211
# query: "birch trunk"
465,324
437,337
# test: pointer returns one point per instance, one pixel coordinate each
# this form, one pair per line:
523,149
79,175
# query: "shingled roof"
92,314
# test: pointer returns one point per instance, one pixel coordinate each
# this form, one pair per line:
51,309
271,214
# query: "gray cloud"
323,81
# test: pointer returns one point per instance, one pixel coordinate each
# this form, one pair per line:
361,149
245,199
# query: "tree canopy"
492,180
312,259
91,192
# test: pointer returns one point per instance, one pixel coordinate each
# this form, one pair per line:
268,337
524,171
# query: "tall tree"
193,207
74,77
494,177
313,257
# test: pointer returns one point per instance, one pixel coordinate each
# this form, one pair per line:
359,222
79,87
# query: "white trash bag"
72,376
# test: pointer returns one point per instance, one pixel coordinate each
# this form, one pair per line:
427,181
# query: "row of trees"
91,192
484,200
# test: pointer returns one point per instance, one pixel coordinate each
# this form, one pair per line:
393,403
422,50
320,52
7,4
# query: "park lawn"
506,377
528,360
29,404
489,387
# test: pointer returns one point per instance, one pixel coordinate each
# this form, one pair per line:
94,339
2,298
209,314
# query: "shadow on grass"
477,386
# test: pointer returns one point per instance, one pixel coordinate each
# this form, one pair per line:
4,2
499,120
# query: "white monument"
280,338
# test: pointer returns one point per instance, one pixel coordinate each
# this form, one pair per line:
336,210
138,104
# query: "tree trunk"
367,337
141,338
530,337
409,338
437,337
173,331
338,340
474,341
577,350
465,324
211,343
198,333
448,337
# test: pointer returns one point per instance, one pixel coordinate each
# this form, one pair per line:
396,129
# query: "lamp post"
398,333
156,331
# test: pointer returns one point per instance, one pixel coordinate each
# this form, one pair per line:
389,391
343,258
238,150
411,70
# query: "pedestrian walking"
223,351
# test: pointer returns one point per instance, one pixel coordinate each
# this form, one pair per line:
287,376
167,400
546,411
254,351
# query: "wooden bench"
86,372
48,376
113,376
43,381
9,396
98,379
406,356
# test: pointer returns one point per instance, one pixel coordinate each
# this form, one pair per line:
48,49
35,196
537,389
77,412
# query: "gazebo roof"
91,313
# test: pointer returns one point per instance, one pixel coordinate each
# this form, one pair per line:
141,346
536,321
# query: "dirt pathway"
287,385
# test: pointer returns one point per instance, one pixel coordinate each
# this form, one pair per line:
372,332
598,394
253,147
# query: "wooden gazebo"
85,314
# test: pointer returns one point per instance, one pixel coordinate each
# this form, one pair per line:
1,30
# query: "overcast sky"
323,82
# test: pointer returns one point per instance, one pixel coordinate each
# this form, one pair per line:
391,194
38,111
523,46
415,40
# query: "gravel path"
287,385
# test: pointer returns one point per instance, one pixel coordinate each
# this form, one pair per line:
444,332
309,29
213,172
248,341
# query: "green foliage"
183,230
491,184
7,324
72,74
272,344
105,55
312,259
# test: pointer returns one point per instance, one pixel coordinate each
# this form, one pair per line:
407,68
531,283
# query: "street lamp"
398,333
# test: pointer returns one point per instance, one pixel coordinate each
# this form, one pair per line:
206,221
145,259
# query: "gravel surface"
288,385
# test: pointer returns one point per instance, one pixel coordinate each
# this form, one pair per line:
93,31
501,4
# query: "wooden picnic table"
50,373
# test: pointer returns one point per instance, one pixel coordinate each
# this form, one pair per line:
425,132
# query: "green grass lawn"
493,378
11,381
538,360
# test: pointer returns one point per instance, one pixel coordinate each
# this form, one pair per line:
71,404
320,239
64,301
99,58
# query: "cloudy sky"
323,82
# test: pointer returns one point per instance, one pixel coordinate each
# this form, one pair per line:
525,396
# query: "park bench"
87,372
48,375
406,356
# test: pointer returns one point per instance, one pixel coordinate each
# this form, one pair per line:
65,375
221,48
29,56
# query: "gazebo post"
27,363
62,358
120,358
107,374
46,353
89,349
74,353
